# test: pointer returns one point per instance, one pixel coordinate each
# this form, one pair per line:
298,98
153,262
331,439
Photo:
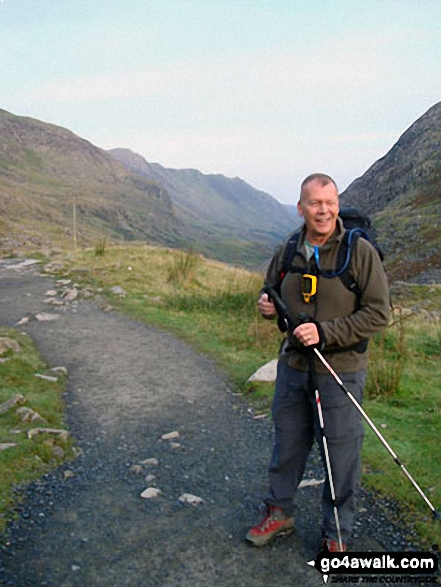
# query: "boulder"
265,373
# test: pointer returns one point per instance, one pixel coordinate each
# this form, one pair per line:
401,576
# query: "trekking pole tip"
436,515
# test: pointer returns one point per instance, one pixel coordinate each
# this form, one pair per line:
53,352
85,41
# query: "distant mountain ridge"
207,203
54,183
48,176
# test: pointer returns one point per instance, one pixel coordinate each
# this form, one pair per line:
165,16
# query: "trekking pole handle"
281,308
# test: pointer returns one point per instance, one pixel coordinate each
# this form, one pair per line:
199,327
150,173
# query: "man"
341,322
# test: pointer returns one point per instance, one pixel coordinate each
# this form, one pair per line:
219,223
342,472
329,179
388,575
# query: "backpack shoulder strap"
289,254
347,247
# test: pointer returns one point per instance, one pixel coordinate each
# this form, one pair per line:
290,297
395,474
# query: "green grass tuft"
29,459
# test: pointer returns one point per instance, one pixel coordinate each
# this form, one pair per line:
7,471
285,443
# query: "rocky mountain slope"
57,188
47,171
402,193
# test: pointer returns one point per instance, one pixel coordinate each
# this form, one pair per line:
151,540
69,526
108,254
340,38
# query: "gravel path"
128,385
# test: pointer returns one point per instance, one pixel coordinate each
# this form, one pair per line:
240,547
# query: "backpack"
358,225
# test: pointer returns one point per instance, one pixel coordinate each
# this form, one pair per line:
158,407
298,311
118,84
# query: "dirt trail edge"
129,384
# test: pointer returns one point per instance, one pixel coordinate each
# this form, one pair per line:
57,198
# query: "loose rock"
62,370
190,499
46,377
151,493
265,373
29,415
153,462
43,317
23,321
18,398
71,295
311,482
170,435
6,445
137,469
8,344
64,434
118,291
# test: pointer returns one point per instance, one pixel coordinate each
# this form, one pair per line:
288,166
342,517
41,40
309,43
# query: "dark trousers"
296,425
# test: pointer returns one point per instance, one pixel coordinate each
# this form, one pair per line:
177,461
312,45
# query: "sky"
265,90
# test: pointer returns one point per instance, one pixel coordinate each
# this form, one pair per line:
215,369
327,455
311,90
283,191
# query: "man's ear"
299,208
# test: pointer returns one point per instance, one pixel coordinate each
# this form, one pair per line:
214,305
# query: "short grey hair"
321,178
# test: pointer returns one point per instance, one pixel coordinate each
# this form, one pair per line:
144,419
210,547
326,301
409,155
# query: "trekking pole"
435,513
284,312
312,384
328,466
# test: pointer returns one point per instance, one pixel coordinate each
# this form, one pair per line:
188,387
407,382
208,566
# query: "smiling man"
341,307
319,206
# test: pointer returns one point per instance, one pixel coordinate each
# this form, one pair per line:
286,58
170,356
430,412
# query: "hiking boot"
333,545
274,524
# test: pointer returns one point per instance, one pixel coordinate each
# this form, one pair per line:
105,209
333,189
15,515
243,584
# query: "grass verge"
24,459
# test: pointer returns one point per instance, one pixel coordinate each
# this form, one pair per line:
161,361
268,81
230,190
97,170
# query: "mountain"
402,193
216,209
54,183
46,171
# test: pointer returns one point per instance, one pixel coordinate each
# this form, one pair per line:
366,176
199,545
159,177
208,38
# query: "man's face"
319,206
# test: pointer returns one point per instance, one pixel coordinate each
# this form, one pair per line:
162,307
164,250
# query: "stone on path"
136,469
23,321
170,435
190,499
44,317
24,264
153,462
151,493
311,482
71,295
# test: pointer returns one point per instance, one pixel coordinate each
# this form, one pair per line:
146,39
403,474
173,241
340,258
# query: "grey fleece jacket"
345,318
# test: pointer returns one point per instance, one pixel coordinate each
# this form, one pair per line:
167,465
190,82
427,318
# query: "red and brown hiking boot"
333,545
274,524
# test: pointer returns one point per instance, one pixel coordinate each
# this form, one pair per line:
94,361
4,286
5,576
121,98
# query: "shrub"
100,247
183,268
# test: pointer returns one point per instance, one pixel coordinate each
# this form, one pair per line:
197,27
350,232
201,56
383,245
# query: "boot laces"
272,516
